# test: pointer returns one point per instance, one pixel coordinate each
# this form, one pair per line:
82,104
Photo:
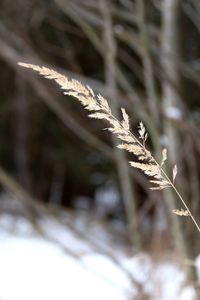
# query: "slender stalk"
171,184
181,198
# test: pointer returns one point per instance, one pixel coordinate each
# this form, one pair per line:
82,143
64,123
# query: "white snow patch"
65,236
107,199
173,112
113,274
34,268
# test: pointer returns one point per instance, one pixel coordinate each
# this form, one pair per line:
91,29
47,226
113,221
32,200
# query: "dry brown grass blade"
181,212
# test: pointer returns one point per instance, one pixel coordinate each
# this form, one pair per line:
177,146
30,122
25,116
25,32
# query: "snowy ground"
67,265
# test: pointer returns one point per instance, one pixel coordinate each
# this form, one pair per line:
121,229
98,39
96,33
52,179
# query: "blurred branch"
33,209
12,56
116,11
74,15
192,10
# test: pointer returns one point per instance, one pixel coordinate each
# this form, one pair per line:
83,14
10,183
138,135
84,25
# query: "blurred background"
64,184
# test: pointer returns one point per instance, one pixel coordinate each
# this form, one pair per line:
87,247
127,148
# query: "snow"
66,266
113,274
107,199
173,112
35,269
136,264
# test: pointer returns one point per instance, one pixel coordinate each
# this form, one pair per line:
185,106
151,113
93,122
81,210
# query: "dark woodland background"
141,55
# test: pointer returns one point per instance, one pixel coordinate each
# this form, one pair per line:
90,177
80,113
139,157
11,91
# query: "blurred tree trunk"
171,100
148,72
128,194
171,81
57,185
22,134
22,112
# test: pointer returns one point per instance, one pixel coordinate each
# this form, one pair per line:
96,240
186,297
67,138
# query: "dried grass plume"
99,108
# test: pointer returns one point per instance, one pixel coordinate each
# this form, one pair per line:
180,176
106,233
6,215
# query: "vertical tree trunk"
149,78
57,185
170,52
22,132
170,84
120,157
